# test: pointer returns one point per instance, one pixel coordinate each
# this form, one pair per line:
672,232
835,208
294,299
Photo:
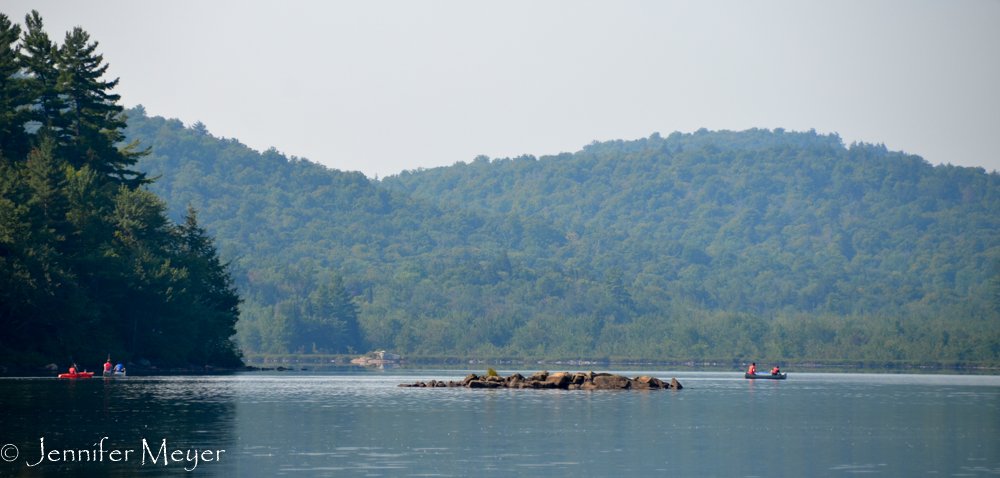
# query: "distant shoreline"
275,360
306,362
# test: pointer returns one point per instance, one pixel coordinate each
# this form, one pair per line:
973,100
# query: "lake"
358,423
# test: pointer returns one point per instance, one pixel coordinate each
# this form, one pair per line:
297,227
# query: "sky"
384,86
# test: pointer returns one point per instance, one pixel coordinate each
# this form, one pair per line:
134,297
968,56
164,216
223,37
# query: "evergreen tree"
38,60
334,318
92,119
212,289
13,140
47,180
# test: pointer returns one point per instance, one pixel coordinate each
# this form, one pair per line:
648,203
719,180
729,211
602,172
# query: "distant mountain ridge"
750,139
709,244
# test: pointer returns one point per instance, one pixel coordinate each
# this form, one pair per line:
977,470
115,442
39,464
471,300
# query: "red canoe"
77,375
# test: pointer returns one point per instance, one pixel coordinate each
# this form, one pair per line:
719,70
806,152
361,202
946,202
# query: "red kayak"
77,375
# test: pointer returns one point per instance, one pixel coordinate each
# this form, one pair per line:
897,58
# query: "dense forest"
752,244
90,264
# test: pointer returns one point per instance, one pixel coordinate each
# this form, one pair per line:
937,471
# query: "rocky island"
561,380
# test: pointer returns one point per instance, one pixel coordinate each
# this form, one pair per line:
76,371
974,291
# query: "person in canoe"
119,368
72,369
753,368
775,371
107,365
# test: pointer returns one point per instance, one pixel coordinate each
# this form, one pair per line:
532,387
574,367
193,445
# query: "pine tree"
38,59
334,324
13,140
15,283
48,203
211,287
93,120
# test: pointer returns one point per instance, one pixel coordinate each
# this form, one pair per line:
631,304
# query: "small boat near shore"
766,376
112,373
77,375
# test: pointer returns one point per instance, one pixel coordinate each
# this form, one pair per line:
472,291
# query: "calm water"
361,424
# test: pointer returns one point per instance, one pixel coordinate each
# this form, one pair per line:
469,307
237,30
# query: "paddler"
72,369
119,368
753,369
775,371
107,365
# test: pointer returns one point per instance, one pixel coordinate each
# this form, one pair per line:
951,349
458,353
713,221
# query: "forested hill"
831,228
712,244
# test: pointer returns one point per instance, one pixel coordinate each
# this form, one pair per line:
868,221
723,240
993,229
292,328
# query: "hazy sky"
382,86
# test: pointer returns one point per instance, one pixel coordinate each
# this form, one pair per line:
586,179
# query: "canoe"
112,373
77,375
767,376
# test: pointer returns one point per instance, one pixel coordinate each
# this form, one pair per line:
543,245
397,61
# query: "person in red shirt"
753,369
107,365
775,371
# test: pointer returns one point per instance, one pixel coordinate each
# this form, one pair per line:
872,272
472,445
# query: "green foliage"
90,264
714,244
995,294
491,372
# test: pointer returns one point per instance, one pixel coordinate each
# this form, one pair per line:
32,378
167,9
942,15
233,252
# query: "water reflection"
331,424
75,414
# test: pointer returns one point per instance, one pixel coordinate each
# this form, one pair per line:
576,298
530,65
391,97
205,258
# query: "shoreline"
293,360
292,365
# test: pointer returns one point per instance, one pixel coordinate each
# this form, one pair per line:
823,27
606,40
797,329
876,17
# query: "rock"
646,382
52,367
482,383
612,382
281,369
542,384
540,376
558,380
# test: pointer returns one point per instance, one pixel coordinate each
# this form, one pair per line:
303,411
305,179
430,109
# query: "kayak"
77,375
767,376
112,373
